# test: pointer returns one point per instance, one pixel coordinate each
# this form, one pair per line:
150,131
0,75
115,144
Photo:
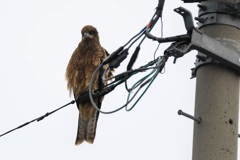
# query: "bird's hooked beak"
86,35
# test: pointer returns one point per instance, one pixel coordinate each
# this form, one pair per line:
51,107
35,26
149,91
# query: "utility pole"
217,99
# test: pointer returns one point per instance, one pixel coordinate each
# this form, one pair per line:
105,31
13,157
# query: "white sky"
36,43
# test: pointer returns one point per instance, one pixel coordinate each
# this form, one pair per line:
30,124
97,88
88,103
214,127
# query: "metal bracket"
202,60
215,18
219,13
187,17
219,7
192,1
188,21
226,54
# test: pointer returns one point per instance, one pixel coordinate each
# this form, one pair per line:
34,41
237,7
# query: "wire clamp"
174,50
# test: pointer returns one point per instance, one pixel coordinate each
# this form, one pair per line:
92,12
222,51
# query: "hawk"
84,61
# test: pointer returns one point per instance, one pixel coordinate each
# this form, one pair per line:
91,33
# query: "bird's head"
90,33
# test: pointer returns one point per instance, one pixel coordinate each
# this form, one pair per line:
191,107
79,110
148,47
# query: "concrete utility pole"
217,102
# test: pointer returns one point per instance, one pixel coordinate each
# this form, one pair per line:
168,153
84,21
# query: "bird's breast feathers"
84,61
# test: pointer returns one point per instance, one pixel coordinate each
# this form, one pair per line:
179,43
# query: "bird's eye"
91,32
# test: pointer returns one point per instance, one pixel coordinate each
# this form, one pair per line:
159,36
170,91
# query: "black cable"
91,96
142,31
136,40
155,18
121,79
120,50
102,92
107,90
38,119
136,52
154,56
160,7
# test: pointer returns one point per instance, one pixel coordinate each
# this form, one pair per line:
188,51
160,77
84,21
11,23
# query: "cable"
116,58
91,98
152,79
91,95
39,118
120,79
142,31
135,54
73,101
157,68
160,66
136,40
150,25
135,86
137,83
154,56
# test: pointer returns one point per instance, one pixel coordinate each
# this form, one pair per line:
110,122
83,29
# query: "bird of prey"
84,61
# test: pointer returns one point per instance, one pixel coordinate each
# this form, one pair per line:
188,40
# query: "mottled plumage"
84,61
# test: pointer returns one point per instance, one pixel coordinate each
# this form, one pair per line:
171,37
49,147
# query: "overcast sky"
37,39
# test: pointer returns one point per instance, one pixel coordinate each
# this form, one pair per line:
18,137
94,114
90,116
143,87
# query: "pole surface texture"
217,103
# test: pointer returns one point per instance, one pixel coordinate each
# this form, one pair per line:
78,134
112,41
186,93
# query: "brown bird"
84,61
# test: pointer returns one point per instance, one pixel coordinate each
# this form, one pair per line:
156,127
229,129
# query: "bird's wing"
110,73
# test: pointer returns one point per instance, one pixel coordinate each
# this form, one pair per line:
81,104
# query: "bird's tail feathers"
86,129
81,131
91,129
